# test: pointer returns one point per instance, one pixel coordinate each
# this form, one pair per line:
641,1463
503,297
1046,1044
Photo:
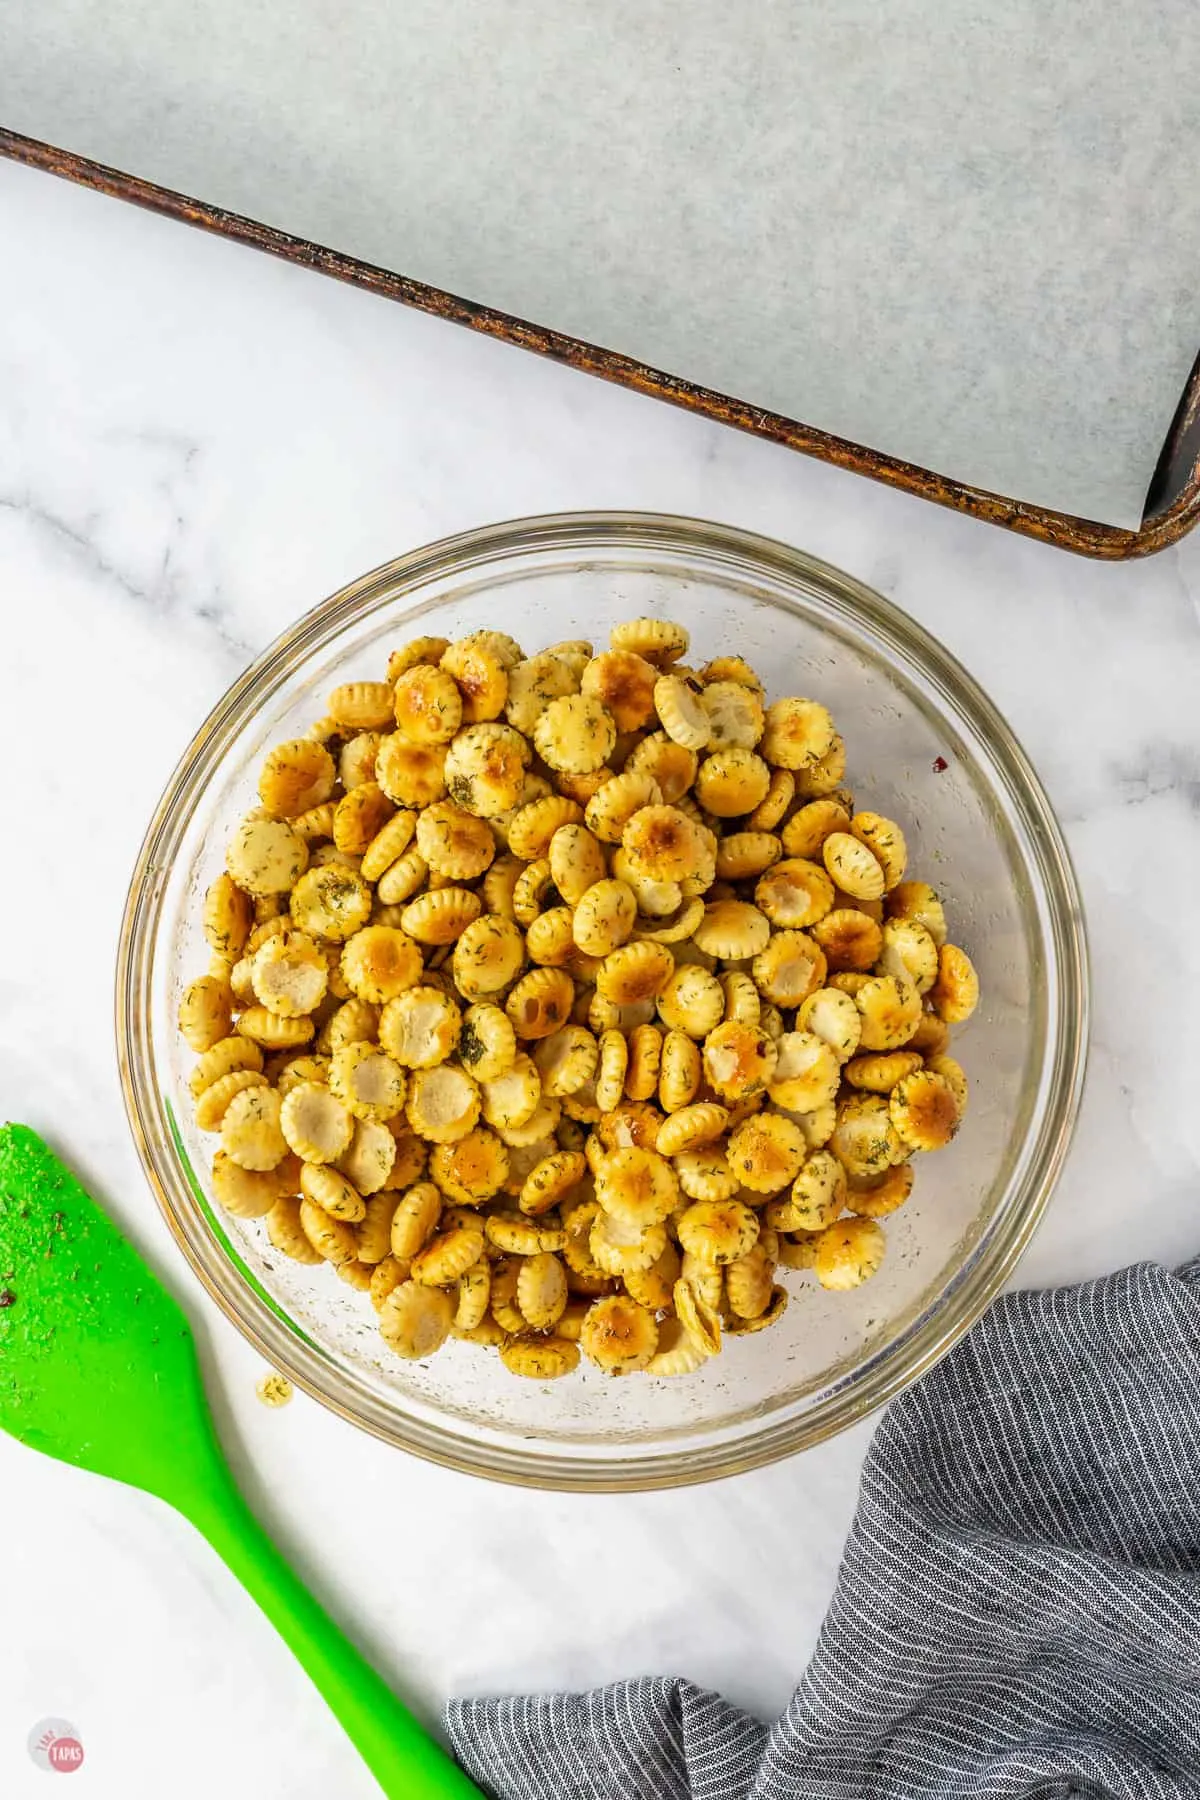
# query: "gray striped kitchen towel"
1018,1608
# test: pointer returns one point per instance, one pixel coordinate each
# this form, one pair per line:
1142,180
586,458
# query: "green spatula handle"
407,1764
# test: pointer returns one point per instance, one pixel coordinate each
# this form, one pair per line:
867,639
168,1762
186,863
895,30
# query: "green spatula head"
98,1368
97,1363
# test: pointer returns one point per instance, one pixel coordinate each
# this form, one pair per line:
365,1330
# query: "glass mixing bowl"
925,746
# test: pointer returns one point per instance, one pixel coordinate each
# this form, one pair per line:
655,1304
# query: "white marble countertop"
196,444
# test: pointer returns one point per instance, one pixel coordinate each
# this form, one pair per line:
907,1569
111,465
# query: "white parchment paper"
962,231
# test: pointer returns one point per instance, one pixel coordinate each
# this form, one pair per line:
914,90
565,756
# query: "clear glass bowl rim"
724,548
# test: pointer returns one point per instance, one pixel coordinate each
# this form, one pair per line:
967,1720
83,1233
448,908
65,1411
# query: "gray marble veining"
190,455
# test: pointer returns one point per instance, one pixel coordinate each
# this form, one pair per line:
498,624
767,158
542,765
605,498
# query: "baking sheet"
964,236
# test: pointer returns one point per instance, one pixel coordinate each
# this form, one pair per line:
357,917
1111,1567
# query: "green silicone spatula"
98,1368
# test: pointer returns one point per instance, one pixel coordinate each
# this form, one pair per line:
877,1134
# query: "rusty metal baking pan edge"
1173,502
